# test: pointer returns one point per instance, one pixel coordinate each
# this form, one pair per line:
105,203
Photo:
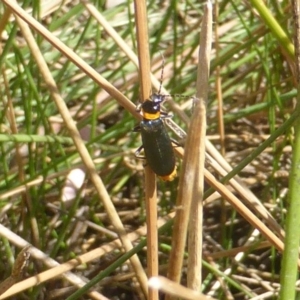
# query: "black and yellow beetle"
157,144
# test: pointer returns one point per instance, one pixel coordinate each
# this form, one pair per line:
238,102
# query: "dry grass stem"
68,106
191,178
197,132
65,268
72,56
70,124
176,290
150,180
16,274
244,211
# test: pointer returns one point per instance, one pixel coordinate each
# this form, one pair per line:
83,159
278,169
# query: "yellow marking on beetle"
169,177
151,116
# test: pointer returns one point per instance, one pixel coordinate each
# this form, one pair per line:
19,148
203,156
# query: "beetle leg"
138,151
165,115
138,107
176,143
137,128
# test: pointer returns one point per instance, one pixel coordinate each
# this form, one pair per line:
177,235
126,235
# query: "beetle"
157,144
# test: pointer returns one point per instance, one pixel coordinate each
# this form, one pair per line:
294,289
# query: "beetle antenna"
161,82
162,73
